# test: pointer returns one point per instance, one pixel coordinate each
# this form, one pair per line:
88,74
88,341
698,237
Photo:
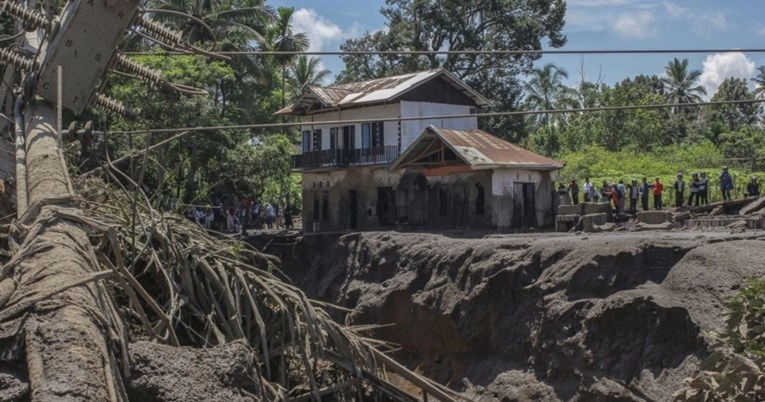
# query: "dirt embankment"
620,316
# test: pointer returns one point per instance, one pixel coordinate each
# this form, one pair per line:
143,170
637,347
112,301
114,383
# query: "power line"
454,52
441,117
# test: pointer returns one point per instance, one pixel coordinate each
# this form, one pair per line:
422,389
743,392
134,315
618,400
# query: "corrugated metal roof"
478,149
376,91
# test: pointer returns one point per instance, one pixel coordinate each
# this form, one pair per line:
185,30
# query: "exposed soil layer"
169,374
615,316
160,373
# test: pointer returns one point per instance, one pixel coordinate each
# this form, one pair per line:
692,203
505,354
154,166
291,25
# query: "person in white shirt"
270,216
587,190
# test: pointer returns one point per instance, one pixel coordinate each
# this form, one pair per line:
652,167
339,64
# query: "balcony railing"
345,157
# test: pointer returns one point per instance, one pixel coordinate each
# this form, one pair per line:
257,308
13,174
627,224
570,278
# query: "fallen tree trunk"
64,313
755,205
68,353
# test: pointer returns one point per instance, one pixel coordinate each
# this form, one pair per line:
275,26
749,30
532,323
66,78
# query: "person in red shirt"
657,189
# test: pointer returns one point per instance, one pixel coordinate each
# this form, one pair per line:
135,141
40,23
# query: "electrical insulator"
17,59
113,106
85,45
32,19
160,32
127,65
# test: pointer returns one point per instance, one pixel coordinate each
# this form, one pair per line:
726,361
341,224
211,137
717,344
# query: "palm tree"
759,80
546,91
232,22
680,85
281,38
229,25
305,72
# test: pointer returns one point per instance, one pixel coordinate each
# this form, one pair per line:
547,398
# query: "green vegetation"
252,163
653,142
457,25
734,369
599,164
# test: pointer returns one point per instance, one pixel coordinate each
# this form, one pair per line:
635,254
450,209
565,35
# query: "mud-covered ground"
611,316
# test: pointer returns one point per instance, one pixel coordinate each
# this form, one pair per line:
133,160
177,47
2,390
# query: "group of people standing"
699,188
620,193
236,215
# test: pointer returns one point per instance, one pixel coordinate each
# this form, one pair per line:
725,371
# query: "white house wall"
335,186
369,114
503,184
412,129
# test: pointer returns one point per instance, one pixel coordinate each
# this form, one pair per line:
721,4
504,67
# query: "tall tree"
304,72
240,90
233,23
227,25
759,80
680,85
281,37
734,117
545,91
462,25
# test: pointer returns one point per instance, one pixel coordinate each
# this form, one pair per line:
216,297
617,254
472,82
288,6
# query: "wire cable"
6,38
187,16
168,38
444,117
459,52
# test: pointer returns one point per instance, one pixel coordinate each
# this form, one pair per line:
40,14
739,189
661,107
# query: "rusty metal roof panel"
377,90
329,96
481,149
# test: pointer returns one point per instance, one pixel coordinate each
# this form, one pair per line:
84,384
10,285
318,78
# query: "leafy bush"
734,369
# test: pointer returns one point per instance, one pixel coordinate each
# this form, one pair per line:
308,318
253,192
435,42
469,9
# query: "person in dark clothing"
695,189
679,190
574,188
753,188
561,189
634,193
645,189
726,184
287,218
704,188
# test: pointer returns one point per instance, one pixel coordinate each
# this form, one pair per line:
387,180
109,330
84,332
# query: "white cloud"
675,10
636,25
701,22
320,31
705,24
585,20
719,66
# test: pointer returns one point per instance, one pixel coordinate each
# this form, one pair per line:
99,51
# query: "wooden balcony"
343,158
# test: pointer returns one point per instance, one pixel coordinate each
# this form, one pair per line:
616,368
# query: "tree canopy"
460,27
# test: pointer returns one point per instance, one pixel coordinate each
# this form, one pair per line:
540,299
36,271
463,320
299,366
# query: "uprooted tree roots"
157,277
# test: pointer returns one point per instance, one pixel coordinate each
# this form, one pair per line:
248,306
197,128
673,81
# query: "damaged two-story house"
406,151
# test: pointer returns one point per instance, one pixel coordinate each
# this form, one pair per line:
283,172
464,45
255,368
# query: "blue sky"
592,25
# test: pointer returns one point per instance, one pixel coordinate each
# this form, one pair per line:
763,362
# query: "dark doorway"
316,208
524,205
412,199
325,207
460,205
353,210
480,199
443,202
403,202
386,206
348,144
